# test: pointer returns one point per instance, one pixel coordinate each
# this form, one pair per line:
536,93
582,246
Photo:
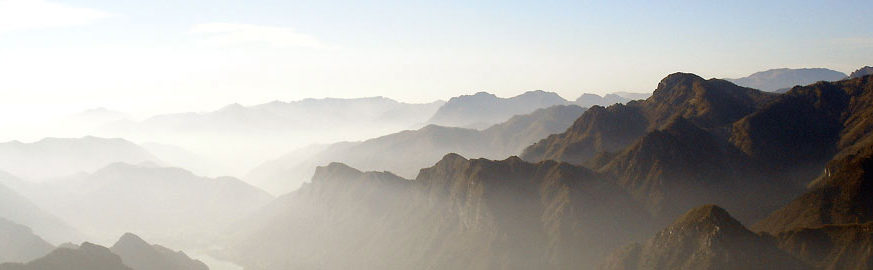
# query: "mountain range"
165,203
406,152
610,179
783,79
129,253
61,157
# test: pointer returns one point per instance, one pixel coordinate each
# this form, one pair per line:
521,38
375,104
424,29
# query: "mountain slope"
58,157
776,79
87,256
706,237
159,202
20,244
590,100
406,152
139,255
861,72
831,247
16,208
710,104
458,214
483,109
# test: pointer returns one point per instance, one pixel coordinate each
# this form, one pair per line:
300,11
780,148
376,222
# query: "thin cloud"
233,35
22,15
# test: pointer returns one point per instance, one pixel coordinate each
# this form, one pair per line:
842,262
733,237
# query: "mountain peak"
131,241
707,214
861,72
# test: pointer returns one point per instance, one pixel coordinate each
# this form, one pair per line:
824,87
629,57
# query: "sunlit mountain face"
285,135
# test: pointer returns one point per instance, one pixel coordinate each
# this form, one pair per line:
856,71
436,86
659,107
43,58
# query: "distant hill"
456,214
483,109
87,256
406,152
140,255
706,237
59,157
162,203
589,100
20,244
18,209
784,78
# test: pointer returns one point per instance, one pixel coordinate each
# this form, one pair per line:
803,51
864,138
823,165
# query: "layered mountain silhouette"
782,79
140,255
483,109
18,209
162,203
457,214
58,157
589,100
20,244
406,152
87,256
248,134
706,237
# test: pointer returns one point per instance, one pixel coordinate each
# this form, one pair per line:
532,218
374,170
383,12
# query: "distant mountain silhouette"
706,237
457,214
140,255
589,100
162,203
632,95
19,244
58,157
21,210
240,137
87,256
861,72
483,109
406,152
784,78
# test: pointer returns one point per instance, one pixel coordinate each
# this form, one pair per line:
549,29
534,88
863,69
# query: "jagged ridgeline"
615,177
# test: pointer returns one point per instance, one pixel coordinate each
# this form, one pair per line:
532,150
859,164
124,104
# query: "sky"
159,56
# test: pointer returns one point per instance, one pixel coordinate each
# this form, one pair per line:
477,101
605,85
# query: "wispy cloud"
19,15
233,34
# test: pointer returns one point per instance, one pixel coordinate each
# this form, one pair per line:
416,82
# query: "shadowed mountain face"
842,195
19,244
162,203
58,157
706,237
406,152
458,214
139,255
483,109
784,78
831,247
861,72
87,256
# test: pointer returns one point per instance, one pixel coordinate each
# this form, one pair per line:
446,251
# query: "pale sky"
160,56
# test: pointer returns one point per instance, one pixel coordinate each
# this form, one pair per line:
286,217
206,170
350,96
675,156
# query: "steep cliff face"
458,214
706,237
